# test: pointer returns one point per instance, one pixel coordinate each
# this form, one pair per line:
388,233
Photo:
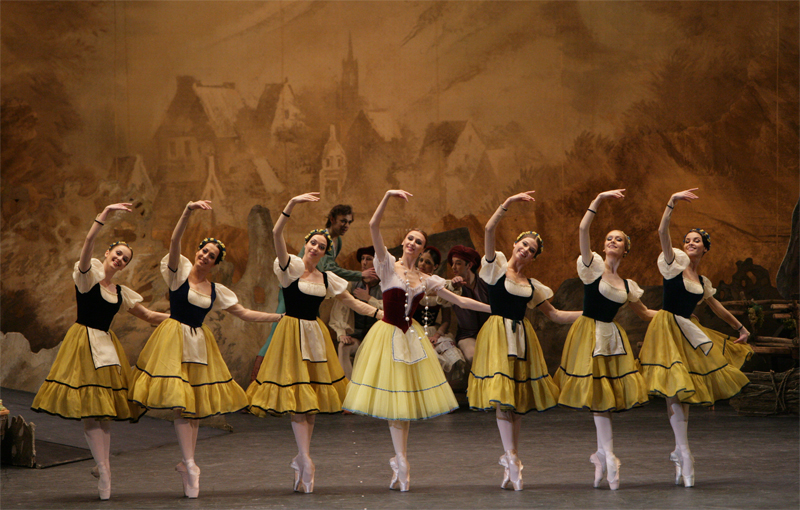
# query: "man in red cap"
465,262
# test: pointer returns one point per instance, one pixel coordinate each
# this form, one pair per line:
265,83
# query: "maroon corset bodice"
394,307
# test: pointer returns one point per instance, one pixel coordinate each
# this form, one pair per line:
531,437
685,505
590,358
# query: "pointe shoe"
401,478
294,465
687,466
190,475
104,482
612,470
599,461
514,470
674,457
303,475
506,478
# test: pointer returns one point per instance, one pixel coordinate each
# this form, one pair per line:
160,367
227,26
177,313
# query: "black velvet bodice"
303,306
598,307
94,311
181,310
677,299
505,304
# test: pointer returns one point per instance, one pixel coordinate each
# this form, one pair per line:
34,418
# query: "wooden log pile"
776,309
768,394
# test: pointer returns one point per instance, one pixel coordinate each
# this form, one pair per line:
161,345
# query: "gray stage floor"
740,463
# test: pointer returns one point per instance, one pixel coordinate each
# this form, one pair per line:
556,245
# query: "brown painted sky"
557,68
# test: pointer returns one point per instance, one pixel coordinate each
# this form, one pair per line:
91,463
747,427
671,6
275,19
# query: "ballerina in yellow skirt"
301,374
181,367
679,359
509,373
396,374
90,376
598,371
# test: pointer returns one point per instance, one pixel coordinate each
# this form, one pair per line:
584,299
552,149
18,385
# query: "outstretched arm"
375,222
463,302
359,306
586,222
559,316
277,230
642,311
88,245
248,315
491,225
663,228
148,315
721,312
177,234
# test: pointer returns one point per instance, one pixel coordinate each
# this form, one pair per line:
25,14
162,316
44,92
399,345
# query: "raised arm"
148,315
177,234
463,302
663,228
375,221
277,230
88,245
721,312
491,225
586,222
249,315
559,316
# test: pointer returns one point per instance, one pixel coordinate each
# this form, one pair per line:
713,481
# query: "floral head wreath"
321,232
123,243
705,235
537,237
219,244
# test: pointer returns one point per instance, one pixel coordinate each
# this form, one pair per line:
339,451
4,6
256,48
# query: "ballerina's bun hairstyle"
321,232
220,245
533,235
121,243
705,235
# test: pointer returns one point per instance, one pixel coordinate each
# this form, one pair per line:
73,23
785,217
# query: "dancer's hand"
614,193
457,282
346,340
305,197
362,294
124,206
200,204
369,273
743,336
519,197
405,195
687,195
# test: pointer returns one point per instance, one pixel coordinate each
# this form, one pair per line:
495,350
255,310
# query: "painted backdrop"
460,103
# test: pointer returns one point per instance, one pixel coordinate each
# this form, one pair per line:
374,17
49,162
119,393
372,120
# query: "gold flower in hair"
321,232
537,237
220,245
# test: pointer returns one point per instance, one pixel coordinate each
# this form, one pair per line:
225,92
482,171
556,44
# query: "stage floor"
740,463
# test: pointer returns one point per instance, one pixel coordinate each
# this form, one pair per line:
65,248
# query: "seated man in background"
465,263
349,326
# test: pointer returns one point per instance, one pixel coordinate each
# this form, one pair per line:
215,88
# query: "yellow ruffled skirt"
672,367
75,389
393,390
500,380
286,383
162,381
597,383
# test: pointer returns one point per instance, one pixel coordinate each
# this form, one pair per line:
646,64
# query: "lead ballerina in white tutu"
396,375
